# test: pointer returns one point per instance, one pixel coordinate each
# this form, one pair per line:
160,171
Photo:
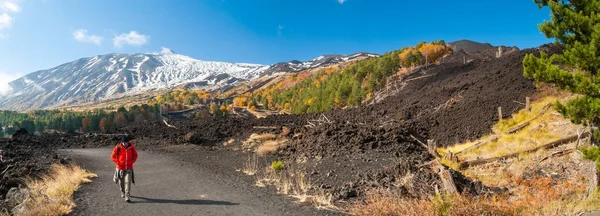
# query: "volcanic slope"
354,149
448,102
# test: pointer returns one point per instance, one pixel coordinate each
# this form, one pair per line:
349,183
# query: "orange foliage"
538,190
433,52
104,124
406,53
86,124
240,101
213,107
330,70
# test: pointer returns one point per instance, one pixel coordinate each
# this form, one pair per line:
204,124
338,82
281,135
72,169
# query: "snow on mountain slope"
118,75
321,61
115,75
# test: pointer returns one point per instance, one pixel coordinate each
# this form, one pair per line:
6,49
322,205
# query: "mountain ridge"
116,75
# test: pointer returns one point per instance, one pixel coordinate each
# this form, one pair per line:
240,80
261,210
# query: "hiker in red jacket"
124,155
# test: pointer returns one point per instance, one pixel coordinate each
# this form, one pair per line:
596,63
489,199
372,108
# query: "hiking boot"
127,199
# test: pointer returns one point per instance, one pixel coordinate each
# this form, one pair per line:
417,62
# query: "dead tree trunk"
499,113
432,148
447,180
477,162
592,180
480,143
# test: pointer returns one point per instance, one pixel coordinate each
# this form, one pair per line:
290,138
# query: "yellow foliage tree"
159,99
432,52
213,107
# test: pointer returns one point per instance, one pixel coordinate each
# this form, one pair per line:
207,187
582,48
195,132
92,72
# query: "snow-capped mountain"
321,61
115,75
118,75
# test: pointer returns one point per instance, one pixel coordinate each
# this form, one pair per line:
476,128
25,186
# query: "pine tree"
575,25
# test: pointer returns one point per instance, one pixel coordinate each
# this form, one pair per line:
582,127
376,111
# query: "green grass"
277,165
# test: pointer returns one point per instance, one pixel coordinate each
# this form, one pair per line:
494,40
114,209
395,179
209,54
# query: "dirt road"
167,186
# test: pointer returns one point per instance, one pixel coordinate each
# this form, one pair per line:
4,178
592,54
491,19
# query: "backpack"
119,149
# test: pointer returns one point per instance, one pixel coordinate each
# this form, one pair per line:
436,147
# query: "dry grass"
540,196
229,142
257,139
52,195
388,204
265,144
537,195
251,166
262,137
285,131
547,128
270,147
294,183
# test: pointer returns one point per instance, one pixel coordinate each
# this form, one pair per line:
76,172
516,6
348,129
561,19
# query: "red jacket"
124,157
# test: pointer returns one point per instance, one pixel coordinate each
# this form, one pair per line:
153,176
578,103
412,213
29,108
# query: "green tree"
356,96
575,25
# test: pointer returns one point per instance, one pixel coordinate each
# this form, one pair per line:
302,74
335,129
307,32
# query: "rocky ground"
345,152
24,156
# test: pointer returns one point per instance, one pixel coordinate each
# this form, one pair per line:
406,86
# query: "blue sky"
40,34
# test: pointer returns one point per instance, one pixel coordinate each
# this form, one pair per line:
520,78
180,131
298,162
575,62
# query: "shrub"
277,165
591,153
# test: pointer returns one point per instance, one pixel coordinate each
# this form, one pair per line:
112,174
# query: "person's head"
125,140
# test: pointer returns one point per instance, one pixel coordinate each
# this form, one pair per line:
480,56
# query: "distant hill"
470,46
321,61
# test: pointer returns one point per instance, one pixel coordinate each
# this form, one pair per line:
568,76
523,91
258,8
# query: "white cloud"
5,78
5,21
4,36
9,6
81,35
280,30
166,51
341,1
132,38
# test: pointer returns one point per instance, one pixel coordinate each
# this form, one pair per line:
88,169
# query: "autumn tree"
223,109
86,124
575,25
120,120
105,124
213,107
